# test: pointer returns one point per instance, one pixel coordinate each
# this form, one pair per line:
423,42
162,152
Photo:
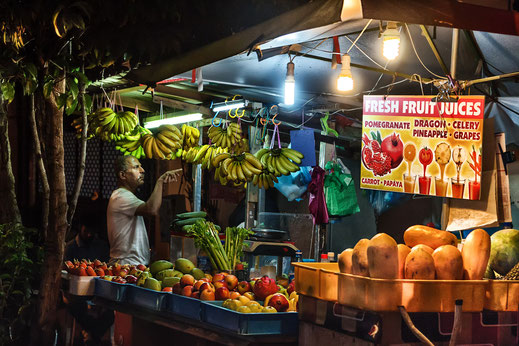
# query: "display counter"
150,327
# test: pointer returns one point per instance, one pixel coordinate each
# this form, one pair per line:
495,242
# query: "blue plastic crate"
110,290
184,306
281,323
146,298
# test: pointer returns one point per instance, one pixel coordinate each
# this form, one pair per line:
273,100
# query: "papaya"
383,257
448,263
403,251
359,258
419,265
429,236
345,261
475,253
424,247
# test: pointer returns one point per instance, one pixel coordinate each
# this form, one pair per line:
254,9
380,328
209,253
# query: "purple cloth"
317,202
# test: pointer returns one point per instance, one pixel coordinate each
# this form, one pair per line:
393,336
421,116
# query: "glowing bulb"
391,41
345,80
290,84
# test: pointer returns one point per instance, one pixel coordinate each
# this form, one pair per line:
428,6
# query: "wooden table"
154,327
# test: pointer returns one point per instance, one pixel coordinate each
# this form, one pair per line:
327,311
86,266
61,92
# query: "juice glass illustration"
441,187
409,156
474,189
442,154
458,187
424,185
425,156
409,183
475,186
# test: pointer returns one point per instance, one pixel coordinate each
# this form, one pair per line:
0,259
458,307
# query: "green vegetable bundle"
234,237
207,238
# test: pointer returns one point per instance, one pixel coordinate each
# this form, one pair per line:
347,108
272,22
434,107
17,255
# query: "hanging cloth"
317,202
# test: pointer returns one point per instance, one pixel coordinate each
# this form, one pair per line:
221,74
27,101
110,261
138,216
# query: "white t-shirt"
126,231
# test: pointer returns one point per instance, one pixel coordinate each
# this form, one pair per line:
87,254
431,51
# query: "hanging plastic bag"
339,190
294,185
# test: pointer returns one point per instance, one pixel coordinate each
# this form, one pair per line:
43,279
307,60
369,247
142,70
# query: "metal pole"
197,190
454,51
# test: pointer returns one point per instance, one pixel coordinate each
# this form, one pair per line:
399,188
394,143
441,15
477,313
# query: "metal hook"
219,123
273,122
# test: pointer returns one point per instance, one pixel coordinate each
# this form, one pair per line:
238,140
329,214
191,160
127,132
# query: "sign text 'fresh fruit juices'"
414,145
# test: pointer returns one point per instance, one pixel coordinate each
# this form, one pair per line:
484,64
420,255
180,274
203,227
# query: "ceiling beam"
447,13
433,47
190,96
182,105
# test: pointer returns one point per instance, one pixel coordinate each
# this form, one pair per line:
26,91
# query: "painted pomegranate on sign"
393,146
373,157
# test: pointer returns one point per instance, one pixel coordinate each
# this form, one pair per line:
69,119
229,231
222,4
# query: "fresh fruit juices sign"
413,145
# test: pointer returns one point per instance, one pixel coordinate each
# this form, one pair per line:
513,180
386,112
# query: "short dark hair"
120,164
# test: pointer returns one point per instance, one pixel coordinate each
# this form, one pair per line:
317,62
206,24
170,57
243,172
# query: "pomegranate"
279,302
393,146
374,158
264,287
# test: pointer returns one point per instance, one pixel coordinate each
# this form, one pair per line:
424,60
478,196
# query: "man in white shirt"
126,229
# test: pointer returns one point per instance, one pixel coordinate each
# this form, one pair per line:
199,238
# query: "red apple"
195,295
231,281
249,295
123,272
167,289
197,285
187,280
243,287
177,288
131,279
218,277
207,294
234,295
206,286
291,287
188,291
141,267
238,266
218,284
205,279
222,293
279,302
119,280
209,277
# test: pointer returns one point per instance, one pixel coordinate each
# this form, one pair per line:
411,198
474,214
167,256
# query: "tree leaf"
29,87
47,88
32,70
5,276
60,100
71,105
83,79
17,292
7,90
72,85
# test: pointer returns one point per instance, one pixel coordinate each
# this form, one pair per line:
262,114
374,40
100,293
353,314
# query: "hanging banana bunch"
164,145
109,125
77,123
131,143
265,179
191,136
225,138
241,167
280,161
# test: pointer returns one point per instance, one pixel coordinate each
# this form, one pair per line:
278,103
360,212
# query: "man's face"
134,175
86,234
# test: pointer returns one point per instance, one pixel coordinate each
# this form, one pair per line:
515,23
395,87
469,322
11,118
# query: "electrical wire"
311,49
416,53
353,44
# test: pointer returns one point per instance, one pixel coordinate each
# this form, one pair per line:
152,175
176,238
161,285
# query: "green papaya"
192,214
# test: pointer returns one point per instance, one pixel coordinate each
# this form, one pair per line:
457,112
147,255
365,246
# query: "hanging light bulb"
345,80
391,41
290,84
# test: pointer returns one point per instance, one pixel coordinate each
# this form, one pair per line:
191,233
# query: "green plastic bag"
339,190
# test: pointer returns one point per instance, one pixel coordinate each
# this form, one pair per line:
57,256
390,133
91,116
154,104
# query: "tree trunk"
82,157
9,211
57,223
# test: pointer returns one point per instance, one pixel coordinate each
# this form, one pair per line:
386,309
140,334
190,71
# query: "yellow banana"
253,161
239,171
289,165
279,165
164,148
156,151
219,158
170,134
225,167
147,146
201,152
167,141
292,155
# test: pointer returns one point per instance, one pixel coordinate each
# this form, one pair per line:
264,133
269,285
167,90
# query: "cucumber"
186,228
189,221
192,214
